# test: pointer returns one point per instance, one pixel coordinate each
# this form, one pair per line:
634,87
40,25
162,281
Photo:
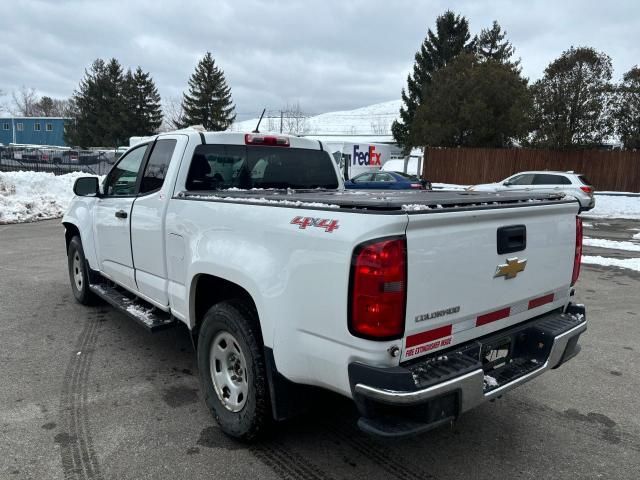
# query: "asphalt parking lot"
87,394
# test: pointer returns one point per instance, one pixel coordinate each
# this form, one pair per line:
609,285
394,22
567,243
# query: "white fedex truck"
356,158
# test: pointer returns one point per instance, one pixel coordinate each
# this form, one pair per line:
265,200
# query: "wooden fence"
608,170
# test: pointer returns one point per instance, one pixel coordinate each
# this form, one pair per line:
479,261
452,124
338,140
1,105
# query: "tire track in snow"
286,463
79,460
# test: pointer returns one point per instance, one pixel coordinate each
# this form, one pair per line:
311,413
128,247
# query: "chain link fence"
56,160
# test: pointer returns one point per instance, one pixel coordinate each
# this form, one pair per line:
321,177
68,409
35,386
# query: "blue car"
387,181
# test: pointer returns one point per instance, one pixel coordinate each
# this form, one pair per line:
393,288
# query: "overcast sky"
326,54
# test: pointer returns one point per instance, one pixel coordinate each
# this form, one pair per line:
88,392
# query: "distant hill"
371,120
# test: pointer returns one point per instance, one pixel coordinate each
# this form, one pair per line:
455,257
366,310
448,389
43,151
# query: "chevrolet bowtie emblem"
510,269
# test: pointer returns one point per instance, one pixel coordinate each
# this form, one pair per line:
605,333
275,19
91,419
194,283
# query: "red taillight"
578,255
587,190
416,186
266,140
378,289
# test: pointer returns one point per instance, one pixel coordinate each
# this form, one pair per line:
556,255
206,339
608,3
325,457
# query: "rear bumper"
423,394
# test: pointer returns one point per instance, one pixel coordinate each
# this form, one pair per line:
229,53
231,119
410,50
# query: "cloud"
327,55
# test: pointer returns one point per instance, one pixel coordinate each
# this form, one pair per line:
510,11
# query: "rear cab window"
221,167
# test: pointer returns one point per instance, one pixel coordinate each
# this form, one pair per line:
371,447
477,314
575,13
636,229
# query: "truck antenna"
258,125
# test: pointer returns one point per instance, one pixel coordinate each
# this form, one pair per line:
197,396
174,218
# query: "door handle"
121,214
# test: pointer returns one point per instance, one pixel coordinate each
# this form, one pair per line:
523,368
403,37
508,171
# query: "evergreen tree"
99,114
46,106
473,103
572,100
208,102
491,44
627,109
143,113
81,130
450,39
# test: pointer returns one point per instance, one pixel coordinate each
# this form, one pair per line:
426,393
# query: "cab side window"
157,165
122,179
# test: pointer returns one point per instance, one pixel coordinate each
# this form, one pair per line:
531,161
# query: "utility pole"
281,118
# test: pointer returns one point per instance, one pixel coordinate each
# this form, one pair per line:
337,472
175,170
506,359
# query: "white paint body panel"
299,278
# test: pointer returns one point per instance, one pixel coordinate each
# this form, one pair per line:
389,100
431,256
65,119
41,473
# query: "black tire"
240,321
78,269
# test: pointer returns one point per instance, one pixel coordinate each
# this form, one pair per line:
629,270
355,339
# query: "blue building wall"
32,130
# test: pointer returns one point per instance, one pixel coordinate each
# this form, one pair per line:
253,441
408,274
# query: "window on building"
19,126
6,126
36,127
49,127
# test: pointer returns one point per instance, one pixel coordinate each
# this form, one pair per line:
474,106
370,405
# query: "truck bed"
383,201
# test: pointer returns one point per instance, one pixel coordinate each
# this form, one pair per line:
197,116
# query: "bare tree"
25,102
173,114
3,105
294,120
380,127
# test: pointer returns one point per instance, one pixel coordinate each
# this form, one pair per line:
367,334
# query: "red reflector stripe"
424,337
493,316
537,302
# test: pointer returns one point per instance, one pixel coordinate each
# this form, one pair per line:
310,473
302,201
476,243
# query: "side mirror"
506,184
86,187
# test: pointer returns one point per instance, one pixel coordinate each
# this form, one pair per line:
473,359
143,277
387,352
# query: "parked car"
418,307
571,183
385,181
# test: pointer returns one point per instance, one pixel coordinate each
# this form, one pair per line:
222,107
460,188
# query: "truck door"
113,216
148,237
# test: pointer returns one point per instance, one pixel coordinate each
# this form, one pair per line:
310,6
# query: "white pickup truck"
417,305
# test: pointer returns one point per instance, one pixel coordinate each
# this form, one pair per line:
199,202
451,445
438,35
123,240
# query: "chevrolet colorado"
418,305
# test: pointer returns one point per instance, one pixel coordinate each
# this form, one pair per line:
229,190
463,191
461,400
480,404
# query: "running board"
144,314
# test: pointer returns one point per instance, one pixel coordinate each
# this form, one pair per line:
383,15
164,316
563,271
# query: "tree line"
468,91
111,104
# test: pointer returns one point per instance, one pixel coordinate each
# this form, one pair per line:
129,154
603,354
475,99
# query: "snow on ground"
636,236
31,196
448,186
613,244
374,120
608,206
628,263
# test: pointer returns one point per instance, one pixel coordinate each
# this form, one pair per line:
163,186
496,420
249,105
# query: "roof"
35,118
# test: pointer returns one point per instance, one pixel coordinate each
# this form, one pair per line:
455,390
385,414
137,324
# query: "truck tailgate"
459,287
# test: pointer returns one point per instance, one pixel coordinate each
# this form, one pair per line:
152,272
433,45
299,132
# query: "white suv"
571,183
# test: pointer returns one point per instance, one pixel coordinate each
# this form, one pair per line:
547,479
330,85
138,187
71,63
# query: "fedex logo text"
370,157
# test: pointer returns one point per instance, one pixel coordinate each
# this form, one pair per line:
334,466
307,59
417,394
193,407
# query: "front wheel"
232,370
78,274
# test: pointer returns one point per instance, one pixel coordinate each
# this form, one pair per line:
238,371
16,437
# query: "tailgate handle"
512,238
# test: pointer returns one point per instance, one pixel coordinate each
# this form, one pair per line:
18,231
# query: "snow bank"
608,206
448,186
31,196
629,263
614,244
283,202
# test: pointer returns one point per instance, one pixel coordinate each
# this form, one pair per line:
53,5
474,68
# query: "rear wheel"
78,274
232,370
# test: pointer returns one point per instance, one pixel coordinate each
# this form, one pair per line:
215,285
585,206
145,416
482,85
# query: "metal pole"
281,118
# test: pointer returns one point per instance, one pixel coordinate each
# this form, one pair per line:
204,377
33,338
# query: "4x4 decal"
329,225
